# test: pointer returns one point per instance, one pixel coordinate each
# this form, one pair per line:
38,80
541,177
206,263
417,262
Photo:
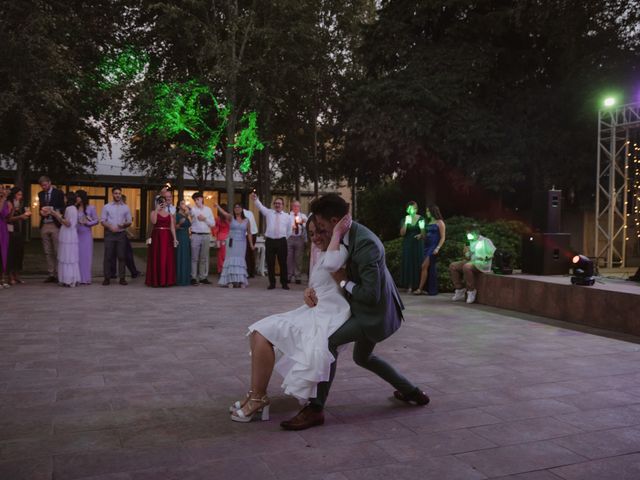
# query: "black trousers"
250,258
276,248
115,246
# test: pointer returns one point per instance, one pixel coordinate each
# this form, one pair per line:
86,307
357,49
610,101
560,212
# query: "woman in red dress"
221,232
161,264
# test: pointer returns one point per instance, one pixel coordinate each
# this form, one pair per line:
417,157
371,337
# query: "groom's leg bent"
347,333
363,356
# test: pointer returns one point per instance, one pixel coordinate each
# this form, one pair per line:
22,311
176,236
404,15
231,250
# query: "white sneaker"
459,294
471,296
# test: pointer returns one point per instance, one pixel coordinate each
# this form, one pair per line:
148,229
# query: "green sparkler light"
247,141
121,67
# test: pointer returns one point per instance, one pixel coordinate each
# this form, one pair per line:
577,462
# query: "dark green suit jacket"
375,301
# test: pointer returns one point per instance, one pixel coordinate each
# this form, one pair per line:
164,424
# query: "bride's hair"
311,219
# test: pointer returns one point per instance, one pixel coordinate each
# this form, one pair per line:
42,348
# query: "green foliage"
382,209
189,115
505,235
247,141
121,67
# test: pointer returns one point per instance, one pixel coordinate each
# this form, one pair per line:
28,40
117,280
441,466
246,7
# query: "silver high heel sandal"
238,404
256,405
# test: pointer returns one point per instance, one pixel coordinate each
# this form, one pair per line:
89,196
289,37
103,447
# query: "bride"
295,343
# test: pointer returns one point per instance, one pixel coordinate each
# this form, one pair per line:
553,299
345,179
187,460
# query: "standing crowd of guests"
179,243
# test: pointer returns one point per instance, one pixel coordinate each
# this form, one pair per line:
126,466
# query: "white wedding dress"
300,337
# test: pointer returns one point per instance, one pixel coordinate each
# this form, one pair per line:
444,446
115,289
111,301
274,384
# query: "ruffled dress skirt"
300,338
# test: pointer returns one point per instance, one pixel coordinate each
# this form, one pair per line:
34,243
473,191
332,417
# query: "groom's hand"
340,275
310,297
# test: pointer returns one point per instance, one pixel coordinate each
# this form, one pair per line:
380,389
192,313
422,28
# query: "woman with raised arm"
234,270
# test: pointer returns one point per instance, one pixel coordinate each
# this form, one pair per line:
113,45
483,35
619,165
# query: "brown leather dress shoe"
306,418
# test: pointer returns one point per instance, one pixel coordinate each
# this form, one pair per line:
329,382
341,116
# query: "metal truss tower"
612,182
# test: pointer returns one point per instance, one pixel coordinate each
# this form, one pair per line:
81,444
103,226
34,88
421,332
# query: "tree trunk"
228,157
354,196
180,178
315,153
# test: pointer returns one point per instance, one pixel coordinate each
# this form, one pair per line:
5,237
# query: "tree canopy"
443,95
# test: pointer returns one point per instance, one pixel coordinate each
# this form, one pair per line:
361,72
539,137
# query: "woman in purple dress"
87,218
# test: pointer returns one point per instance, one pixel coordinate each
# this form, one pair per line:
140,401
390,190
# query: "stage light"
582,271
609,102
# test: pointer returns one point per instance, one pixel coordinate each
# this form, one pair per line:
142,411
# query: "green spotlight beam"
121,67
190,110
247,141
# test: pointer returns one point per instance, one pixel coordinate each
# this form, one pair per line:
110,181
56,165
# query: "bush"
505,235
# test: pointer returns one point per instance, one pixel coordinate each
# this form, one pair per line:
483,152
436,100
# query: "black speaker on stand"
547,251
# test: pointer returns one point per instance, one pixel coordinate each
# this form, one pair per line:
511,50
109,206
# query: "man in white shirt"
296,242
168,200
201,223
115,218
250,256
278,229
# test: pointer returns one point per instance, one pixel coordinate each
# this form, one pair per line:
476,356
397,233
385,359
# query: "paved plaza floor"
133,383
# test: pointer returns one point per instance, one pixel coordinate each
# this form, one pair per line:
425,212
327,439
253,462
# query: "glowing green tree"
190,116
121,67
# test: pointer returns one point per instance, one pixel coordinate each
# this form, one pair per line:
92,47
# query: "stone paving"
133,383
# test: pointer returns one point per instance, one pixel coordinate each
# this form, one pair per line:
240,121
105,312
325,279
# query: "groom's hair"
329,205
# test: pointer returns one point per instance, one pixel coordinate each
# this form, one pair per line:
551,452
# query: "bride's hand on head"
343,226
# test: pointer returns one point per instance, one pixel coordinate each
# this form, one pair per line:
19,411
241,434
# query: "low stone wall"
594,306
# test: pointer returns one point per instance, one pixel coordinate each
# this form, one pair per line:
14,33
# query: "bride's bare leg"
262,361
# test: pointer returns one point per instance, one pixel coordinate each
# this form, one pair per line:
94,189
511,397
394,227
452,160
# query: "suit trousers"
276,247
200,244
49,233
250,258
295,249
351,331
115,245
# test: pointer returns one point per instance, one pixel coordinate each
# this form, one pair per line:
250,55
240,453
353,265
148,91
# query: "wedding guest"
129,259
183,252
68,253
115,218
87,219
478,257
435,236
296,242
221,232
251,254
278,228
168,198
412,230
201,223
5,212
50,198
234,271
161,263
17,233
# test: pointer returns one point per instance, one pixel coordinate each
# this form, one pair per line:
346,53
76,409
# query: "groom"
376,308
